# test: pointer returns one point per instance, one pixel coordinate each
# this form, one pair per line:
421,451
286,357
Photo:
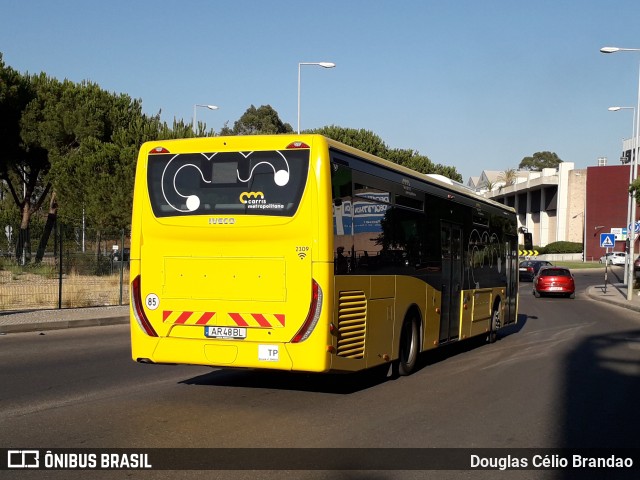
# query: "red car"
554,281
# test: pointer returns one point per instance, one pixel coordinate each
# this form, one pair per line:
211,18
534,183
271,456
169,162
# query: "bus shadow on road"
337,383
516,327
451,350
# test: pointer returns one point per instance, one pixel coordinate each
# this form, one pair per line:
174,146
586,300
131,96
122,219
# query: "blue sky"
477,84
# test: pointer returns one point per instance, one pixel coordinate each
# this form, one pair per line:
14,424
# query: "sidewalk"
616,295
41,320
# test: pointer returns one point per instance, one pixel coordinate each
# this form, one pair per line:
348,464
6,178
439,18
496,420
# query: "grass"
27,290
579,264
43,269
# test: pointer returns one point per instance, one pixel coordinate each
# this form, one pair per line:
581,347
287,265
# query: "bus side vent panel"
352,316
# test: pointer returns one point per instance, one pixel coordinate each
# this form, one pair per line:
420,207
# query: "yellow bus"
300,253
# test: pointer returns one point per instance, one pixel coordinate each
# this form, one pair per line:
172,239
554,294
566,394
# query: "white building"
549,204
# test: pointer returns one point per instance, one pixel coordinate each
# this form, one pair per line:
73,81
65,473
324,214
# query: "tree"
86,140
540,160
421,163
15,93
361,139
71,122
634,189
369,142
489,185
48,227
258,121
23,165
509,177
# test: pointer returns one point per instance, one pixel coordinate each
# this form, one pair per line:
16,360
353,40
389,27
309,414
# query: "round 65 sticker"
152,301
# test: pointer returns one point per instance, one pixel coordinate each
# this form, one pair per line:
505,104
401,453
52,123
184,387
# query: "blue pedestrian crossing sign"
607,240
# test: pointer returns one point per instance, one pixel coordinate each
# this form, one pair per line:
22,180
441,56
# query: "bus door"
451,248
512,278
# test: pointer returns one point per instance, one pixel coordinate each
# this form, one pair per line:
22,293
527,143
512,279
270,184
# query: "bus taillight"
159,150
138,310
293,145
313,316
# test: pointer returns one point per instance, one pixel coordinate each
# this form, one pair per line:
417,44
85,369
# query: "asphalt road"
568,375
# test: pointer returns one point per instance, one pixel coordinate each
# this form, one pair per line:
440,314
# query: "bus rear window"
251,183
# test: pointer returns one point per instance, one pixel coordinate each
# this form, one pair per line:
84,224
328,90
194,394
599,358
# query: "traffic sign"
607,240
635,227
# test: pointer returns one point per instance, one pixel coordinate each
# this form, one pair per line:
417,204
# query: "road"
566,376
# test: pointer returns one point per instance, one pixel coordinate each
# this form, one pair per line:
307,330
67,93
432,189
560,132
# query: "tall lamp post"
320,64
631,199
210,107
634,166
584,231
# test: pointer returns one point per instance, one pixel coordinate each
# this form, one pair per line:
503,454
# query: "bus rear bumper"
223,353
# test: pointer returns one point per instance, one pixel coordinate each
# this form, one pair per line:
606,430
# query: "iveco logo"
222,221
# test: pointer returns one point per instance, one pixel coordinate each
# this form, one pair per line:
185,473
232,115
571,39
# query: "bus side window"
341,188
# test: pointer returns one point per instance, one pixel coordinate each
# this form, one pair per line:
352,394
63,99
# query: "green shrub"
564,247
557,247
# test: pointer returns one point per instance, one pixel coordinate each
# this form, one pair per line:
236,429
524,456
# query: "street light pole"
320,64
630,201
210,107
634,175
632,241
584,230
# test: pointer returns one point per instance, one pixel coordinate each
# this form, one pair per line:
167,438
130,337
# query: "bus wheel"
409,346
495,322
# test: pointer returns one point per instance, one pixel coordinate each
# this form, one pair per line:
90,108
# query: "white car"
614,258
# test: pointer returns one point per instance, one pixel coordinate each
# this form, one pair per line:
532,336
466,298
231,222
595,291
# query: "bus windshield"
253,183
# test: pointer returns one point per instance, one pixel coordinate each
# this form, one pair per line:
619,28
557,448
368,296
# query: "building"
549,204
565,204
607,207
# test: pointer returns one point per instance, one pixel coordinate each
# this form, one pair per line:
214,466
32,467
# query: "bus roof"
434,179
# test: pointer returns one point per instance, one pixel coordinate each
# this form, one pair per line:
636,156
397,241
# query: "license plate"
225,332
554,289
523,269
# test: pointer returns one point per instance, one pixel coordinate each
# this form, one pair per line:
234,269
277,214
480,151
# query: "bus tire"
495,322
409,345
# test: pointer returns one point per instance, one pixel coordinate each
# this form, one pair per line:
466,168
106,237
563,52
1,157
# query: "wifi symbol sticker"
301,251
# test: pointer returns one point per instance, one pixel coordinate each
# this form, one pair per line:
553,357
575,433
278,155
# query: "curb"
615,300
